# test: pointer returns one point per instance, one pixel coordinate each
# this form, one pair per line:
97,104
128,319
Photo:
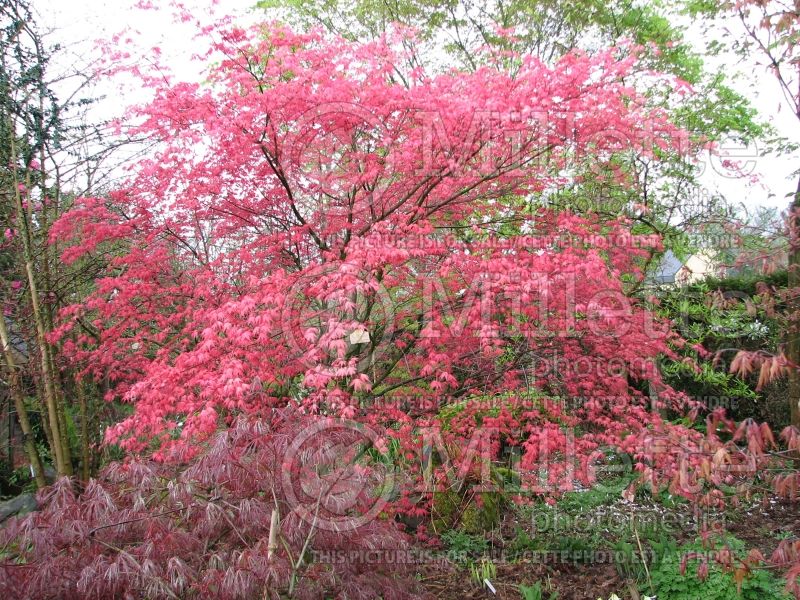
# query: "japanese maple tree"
145,529
311,231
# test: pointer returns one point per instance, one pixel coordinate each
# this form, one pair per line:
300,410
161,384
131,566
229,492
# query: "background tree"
321,258
29,116
51,151
771,31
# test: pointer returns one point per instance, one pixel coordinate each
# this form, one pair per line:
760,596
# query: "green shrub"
670,584
462,545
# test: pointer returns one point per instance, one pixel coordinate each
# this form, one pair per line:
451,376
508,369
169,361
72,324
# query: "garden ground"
589,544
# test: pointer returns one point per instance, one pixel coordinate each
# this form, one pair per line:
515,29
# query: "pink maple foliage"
317,229
280,215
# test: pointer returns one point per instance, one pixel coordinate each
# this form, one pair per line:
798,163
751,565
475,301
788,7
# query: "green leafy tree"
771,31
717,318
50,151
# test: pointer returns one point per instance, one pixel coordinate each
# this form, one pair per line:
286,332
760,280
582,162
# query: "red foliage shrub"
143,529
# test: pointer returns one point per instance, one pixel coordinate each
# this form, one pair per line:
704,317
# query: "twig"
274,524
293,579
644,560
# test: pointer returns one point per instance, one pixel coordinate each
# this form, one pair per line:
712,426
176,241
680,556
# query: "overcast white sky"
74,24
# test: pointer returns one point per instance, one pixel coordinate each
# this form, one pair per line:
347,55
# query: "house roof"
668,268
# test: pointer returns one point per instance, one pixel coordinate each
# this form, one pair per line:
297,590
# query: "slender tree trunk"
23,217
49,389
47,313
85,454
793,331
19,403
43,411
62,410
